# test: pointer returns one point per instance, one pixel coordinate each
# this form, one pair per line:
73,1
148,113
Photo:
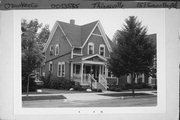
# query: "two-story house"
78,53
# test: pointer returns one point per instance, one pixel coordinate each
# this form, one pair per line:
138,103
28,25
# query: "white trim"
61,64
102,35
78,54
52,66
52,34
65,35
51,50
90,34
97,35
90,44
102,45
50,37
72,49
57,45
94,56
93,62
59,75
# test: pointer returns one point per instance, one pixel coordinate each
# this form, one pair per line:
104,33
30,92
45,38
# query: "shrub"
77,86
127,86
58,83
144,85
97,90
116,88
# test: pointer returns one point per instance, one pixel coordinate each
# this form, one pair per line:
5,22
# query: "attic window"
51,50
57,49
102,50
90,48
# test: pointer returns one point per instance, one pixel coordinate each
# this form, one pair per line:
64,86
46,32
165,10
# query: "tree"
134,52
31,52
43,36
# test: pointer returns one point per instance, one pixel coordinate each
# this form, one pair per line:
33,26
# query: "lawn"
52,97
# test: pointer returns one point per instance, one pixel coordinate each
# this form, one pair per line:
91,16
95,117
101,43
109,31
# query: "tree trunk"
132,83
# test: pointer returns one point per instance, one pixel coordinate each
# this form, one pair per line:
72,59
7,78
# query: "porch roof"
89,58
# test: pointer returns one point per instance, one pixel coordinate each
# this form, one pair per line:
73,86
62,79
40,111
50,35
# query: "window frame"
57,46
51,50
90,44
50,63
100,46
60,73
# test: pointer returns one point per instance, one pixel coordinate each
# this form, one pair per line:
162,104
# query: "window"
57,49
90,48
61,69
76,69
50,67
51,50
102,50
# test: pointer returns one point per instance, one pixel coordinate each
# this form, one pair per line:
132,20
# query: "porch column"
71,70
143,78
106,71
82,64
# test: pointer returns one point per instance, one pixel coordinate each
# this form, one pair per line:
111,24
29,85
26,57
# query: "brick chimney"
72,21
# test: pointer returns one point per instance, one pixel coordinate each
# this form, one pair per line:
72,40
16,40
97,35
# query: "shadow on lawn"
30,98
126,94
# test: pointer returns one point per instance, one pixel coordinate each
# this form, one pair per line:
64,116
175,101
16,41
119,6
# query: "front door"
95,71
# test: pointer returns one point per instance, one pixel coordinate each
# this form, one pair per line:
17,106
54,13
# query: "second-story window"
51,50
57,49
90,48
102,50
50,67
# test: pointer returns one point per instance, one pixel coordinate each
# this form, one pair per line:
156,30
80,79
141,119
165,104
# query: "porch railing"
103,81
92,81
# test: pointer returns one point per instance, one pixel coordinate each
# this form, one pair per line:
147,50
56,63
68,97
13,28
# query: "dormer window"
51,50
102,50
90,48
57,49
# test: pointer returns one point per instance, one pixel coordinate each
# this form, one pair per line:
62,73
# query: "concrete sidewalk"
92,96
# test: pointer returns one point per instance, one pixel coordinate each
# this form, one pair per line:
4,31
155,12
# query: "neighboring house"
143,78
78,53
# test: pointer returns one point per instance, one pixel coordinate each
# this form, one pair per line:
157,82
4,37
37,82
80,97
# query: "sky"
111,19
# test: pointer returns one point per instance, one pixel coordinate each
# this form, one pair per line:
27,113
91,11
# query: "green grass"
52,97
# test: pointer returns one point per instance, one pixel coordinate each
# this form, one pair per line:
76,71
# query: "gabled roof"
86,30
76,35
73,32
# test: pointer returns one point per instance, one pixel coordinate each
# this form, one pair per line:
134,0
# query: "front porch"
91,71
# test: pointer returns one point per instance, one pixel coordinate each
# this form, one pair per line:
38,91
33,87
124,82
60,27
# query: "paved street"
108,99
115,102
